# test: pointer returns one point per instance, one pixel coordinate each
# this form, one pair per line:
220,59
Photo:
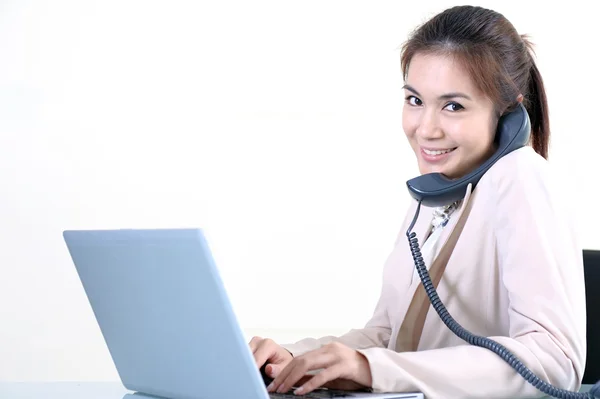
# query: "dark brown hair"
498,59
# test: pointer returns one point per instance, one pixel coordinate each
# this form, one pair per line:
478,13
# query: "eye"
412,100
454,107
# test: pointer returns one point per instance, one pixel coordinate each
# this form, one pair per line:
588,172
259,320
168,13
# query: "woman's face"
449,123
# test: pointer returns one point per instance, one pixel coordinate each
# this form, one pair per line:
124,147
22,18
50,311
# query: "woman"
512,268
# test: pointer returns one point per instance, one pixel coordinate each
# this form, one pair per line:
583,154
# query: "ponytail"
536,104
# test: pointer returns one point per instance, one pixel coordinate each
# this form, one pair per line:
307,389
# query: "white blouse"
430,248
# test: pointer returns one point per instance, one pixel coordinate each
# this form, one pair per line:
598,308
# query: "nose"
429,127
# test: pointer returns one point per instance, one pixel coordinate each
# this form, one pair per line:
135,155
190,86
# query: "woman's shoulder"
521,172
523,183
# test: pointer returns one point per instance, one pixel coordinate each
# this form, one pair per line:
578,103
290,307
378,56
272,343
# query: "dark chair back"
591,265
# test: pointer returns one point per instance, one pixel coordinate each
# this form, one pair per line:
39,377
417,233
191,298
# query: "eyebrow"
442,97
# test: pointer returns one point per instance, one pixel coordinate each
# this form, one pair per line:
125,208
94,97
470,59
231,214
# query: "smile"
437,155
437,152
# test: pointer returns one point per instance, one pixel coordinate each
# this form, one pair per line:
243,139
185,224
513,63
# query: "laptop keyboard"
316,394
312,395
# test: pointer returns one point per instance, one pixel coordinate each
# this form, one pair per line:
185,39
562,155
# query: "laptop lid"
164,313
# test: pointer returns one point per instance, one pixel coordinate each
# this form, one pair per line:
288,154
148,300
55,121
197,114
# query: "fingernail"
280,389
299,391
270,387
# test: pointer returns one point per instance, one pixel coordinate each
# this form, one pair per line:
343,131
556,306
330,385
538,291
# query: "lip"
436,158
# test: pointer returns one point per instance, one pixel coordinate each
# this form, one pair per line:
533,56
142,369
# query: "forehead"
436,74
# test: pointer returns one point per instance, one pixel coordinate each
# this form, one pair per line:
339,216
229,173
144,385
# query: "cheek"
475,138
409,124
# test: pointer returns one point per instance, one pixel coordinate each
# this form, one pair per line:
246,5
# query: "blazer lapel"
411,328
454,220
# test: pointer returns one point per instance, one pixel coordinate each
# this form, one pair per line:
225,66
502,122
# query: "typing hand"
342,368
268,351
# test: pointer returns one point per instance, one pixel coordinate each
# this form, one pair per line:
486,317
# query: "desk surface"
77,390
63,390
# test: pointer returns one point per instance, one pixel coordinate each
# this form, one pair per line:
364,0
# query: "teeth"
438,152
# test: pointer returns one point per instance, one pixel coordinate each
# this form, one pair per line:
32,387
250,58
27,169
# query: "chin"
447,170
441,171
428,169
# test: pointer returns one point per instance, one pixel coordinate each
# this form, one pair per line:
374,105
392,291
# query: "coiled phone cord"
484,342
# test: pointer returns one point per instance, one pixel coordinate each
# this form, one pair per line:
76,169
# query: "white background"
276,126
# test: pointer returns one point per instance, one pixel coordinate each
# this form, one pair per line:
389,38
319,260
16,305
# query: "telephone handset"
434,190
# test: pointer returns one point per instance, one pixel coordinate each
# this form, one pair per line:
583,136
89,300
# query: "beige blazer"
514,274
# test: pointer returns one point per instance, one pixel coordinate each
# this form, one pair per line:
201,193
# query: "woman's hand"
266,350
342,368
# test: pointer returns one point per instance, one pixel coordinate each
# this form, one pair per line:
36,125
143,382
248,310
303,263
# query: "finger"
272,370
254,343
298,367
264,351
303,379
320,379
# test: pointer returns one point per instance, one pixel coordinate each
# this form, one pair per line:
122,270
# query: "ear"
520,98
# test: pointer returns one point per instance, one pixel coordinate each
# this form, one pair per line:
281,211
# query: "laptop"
165,316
